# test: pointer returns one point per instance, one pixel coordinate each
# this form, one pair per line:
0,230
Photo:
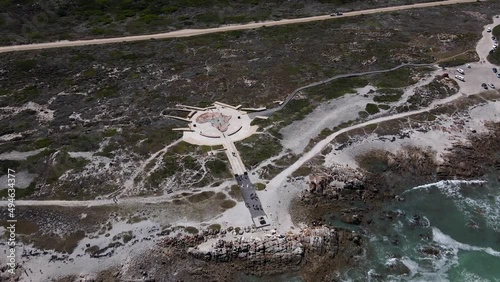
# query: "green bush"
42,143
372,108
110,132
214,226
25,65
191,230
107,92
235,193
259,186
258,148
393,79
384,106
63,162
388,96
494,57
217,167
337,88
227,204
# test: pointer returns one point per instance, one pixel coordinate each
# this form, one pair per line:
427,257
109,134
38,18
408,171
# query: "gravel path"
195,32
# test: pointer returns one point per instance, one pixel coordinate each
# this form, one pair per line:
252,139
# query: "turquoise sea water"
447,231
442,232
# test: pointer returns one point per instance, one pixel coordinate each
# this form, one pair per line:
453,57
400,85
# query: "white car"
488,29
491,86
459,77
461,71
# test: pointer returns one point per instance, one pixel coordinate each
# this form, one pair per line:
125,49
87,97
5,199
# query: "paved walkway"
223,125
252,201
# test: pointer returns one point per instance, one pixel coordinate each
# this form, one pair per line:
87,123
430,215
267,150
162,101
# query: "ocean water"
446,231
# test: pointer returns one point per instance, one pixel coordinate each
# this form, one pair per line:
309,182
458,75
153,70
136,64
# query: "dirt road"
194,32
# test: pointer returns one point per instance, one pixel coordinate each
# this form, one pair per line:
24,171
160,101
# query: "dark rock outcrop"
280,250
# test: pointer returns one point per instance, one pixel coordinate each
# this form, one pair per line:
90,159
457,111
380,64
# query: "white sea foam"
468,276
443,239
490,209
449,187
412,265
370,273
442,264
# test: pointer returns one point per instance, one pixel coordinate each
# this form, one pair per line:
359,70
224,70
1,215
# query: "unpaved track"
269,112
280,178
194,32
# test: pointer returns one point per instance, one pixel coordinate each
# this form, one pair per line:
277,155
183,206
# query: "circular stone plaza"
223,124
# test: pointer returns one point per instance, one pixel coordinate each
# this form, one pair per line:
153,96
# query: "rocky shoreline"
354,197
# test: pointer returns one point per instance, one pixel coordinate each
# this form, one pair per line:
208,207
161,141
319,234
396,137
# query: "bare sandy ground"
194,32
19,156
436,140
43,268
23,180
327,115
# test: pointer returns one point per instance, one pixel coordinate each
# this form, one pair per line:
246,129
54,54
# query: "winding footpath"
280,178
269,112
195,32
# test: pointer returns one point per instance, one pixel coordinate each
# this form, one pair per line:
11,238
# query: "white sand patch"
78,117
19,156
488,112
41,268
90,156
437,140
296,136
434,140
23,180
85,155
276,202
42,111
249,82
8,137
236,216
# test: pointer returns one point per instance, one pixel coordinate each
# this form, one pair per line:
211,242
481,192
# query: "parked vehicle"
488,29
459,77
491,85
498,75
484,86
494,70
461,71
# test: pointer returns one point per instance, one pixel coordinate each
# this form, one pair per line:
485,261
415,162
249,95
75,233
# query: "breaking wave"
445,240
449,187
